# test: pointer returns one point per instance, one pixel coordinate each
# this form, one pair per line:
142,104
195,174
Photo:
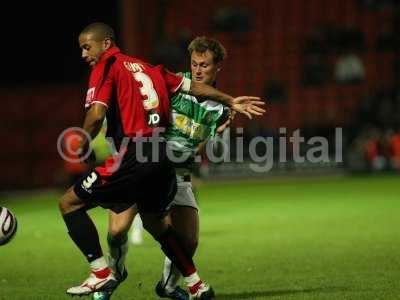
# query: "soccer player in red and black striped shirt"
134,96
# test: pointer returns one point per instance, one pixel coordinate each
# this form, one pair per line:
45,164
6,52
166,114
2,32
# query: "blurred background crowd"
318,64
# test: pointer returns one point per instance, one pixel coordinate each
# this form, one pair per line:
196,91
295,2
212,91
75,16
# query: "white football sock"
98,264
170,276
137,231
192,279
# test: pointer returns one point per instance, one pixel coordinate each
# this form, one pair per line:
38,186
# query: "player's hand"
221,128
249,106
228,122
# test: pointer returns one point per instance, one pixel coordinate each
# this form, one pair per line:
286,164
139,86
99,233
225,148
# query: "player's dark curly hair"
202,44
100,31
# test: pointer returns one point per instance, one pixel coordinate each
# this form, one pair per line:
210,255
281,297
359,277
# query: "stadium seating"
273,49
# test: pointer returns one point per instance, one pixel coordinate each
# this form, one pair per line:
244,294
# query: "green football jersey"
191,122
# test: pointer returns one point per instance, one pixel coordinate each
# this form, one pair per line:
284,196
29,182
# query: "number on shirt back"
147,90
151,102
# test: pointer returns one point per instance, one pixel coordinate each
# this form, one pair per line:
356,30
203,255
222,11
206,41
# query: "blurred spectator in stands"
384,112
377,149
396,109
377,4
395,146
232,19
366,111
396,68
318,41
385,151
381,109
370,149
185,36
315,70
349,39
349,69
275,91
172,52
387,40
362,149
169,53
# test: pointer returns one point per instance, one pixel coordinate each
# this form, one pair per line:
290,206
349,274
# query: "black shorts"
151,185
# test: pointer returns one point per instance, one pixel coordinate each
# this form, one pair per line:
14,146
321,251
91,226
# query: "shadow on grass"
252,295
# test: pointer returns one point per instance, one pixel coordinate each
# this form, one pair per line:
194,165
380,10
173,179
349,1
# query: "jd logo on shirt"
153,119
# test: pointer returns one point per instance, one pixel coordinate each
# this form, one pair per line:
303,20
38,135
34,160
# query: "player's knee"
119,225
117,231
69,202
64,204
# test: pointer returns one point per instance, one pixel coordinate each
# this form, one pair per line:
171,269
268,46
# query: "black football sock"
84,233
173,248
118,247
117,241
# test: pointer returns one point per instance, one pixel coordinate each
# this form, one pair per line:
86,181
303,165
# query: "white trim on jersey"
186,83
90,104
209,105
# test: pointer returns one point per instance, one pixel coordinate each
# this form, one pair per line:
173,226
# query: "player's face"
203,67
91,49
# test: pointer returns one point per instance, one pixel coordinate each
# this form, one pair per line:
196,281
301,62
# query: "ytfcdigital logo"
260,151
68,145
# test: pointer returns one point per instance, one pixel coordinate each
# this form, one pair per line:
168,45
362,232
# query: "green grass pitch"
326,238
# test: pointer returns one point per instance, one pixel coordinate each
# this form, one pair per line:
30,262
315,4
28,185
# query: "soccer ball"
103,295
8,225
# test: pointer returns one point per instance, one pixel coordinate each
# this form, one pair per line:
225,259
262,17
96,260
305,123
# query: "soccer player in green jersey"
192,122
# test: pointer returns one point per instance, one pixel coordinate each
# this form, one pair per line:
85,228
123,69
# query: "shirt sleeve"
175,82
100,85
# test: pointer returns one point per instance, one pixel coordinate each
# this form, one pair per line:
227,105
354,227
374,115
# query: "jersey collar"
110,52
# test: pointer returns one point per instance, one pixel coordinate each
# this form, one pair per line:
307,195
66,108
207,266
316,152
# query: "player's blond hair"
202,44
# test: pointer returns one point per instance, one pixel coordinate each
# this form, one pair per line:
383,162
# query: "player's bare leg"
174,248
185,220
84,234
117,239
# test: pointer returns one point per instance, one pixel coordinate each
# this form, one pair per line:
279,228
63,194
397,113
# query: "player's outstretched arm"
248,105
204,91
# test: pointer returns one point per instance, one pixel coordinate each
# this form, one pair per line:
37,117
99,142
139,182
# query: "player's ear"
219,66
107,43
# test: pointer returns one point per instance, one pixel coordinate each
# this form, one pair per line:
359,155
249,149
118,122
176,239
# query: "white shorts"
184,194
